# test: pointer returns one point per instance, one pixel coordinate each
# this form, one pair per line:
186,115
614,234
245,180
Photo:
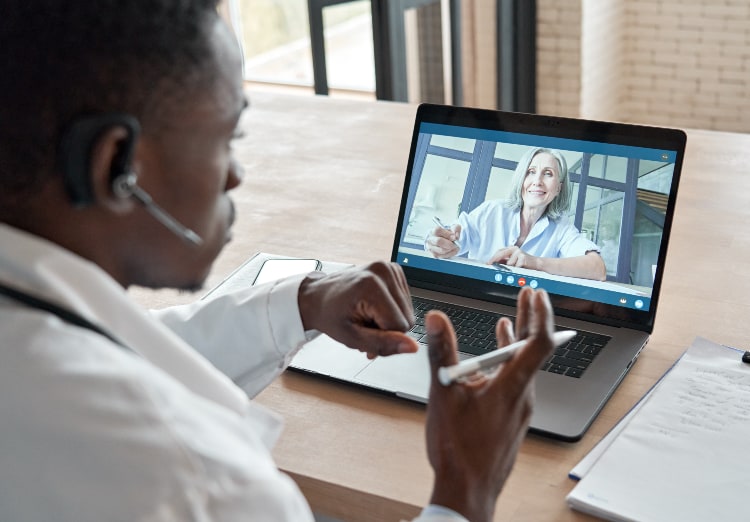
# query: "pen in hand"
439,223
488,361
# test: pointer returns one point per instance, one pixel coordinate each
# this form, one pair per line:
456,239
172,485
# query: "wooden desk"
324,178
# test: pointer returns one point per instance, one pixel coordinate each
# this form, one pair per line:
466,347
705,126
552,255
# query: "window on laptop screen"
618,201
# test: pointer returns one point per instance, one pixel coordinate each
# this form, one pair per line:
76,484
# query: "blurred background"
683,63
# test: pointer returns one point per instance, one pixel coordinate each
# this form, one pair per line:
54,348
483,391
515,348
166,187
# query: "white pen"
448,374
439,223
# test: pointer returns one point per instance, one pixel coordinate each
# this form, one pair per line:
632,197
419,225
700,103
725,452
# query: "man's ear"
111,156
94,150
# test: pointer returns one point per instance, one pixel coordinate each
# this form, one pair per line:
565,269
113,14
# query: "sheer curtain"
478,53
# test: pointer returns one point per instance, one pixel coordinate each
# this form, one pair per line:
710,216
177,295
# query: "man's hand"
474,428
368,308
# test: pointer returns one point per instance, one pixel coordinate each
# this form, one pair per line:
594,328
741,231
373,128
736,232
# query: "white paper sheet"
683,455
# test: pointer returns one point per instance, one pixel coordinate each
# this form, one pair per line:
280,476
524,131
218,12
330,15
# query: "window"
275,36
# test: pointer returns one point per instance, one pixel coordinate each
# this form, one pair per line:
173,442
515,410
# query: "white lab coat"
94,432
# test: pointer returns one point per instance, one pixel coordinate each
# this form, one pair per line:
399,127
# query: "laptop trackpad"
325,356
407,375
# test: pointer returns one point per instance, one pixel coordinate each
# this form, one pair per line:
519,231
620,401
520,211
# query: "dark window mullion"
443,152
628,221
479,175
582,186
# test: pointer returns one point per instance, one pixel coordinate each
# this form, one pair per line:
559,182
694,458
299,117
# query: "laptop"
623,188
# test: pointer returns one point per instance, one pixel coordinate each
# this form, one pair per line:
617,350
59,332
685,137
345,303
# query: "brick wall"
683,63
688,63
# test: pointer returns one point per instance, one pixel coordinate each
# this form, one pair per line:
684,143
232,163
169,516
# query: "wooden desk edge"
325,498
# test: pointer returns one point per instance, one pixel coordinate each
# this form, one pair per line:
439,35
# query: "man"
110,413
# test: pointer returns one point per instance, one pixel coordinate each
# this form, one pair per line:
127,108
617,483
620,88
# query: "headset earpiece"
123,186
76,147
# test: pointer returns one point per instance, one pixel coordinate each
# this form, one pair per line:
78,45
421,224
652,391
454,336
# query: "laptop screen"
603,190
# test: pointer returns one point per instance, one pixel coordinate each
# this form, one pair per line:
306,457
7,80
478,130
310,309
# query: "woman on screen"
530,229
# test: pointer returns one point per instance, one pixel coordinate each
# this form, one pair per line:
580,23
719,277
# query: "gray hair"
561,204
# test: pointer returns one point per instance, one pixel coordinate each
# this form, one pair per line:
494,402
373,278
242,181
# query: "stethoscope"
63,313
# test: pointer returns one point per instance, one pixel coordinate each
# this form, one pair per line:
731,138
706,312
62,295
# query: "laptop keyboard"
475,331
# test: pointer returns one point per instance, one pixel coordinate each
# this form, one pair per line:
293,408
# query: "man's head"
171,66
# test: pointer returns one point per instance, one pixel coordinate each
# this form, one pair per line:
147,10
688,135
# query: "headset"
75,163
76,145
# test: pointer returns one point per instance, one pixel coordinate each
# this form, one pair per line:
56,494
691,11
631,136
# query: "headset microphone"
125,186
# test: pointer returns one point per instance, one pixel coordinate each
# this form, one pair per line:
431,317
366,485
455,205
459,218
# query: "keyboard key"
483,345
570,363
467,348
415,335
486,327
592,350
579,356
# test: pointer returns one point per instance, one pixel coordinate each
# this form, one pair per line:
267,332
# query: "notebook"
623,186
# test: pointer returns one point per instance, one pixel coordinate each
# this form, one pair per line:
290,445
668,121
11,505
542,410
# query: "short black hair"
60,59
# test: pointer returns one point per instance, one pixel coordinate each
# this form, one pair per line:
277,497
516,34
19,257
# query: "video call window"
618,202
